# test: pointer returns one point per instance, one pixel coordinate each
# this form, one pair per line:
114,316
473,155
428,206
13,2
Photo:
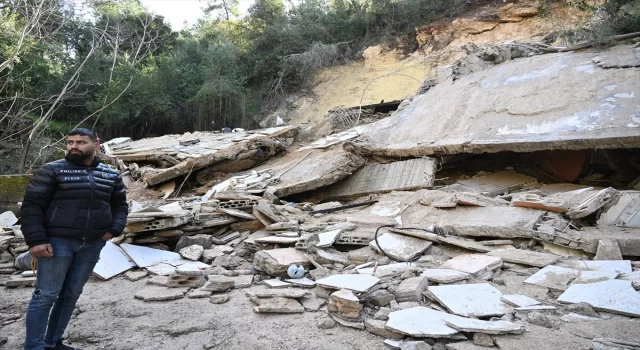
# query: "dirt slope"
437,44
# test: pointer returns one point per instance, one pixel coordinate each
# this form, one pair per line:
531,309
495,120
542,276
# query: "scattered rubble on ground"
420,251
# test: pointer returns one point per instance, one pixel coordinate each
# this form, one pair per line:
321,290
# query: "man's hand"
107,236
41,251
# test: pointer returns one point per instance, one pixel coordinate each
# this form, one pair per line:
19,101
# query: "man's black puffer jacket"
70,200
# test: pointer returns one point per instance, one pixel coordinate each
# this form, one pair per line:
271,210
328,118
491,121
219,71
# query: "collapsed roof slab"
312,170
475,221
202,149
405,175
526,105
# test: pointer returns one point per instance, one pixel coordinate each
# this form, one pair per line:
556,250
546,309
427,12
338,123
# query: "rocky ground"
108,317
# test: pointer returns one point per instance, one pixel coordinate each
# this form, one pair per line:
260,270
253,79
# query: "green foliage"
142,79
612,18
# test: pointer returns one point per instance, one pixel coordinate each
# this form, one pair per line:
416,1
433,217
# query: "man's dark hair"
84,132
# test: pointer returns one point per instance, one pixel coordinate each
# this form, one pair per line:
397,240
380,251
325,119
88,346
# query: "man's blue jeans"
59,284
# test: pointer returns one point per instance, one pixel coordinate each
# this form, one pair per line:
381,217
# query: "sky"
176,12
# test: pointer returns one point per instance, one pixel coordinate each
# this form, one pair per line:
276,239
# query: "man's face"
80,147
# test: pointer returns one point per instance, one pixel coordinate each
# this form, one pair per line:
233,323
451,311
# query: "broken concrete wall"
528,105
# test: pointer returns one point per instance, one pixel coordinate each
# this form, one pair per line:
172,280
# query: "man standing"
71,208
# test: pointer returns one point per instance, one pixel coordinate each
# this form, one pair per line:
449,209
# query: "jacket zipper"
86,227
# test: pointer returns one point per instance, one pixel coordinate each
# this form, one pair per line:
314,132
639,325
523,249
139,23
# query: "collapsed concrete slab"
525,257
465,243
528,105
246,149
405,175
475,221
316,169
492,185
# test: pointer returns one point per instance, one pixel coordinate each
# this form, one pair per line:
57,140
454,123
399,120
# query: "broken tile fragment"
615,296
326,239
445,275
477,300
487,327
357,283
276,283
519,300
302,282
535,308
386,270
477,265
553,277
422,322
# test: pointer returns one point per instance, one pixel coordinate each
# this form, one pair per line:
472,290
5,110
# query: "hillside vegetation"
115,67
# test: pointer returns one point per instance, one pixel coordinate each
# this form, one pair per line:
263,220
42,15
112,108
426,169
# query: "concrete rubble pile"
419,254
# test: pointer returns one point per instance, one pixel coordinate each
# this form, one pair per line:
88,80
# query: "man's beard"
78,156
